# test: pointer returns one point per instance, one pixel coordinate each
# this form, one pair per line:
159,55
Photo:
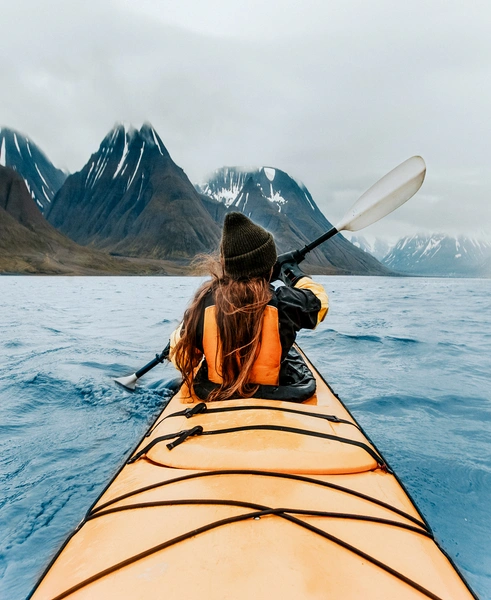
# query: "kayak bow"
254,499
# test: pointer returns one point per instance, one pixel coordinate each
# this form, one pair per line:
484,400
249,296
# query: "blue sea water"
410,357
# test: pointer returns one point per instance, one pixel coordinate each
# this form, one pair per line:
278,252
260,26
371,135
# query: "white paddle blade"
386,195
128,382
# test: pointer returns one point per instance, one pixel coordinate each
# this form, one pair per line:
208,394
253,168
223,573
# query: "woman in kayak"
240,330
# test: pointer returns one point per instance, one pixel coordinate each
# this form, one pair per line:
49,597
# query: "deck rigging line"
198,430
289,476
202,408
296,511
257,514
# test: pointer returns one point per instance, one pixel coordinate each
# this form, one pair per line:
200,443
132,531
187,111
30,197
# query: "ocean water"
410,357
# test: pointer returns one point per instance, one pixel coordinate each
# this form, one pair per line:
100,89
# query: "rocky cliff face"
132,199
286,208
29,244
41,177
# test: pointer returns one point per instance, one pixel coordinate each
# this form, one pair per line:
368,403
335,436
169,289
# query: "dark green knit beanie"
247,249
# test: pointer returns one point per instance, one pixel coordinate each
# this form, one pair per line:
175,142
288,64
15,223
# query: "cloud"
336,94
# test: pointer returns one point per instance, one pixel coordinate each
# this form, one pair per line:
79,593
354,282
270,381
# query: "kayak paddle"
129,382
382,198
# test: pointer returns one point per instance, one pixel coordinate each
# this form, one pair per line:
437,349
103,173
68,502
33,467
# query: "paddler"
239,330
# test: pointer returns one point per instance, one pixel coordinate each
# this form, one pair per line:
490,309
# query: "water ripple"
410,359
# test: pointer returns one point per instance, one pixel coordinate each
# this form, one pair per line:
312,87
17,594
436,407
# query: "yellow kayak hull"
253,499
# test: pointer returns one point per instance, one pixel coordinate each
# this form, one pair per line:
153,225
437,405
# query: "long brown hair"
239,308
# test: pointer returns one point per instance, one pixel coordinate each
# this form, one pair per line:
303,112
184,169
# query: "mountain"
215,209
439,255
132,199
42,178
225,184
379,248
29,244
286,208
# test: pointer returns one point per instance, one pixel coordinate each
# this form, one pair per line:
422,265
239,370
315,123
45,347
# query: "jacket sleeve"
305,283
299,307
174,338
303,306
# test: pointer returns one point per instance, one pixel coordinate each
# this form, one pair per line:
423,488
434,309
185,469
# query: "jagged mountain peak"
131,198
41,177
126,135
22,143
224,184
230,184
123,152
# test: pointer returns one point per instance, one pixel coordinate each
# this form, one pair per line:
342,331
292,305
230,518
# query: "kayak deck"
253,498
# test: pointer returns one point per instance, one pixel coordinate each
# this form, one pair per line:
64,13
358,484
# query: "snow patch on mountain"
277,187
142,149
308,197
224,185
3,154
126,149
16,143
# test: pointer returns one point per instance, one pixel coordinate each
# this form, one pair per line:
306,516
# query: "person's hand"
286,268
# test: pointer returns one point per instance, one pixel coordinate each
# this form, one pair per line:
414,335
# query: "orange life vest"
266,368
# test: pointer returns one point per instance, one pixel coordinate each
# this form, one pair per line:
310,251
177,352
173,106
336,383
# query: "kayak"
253,499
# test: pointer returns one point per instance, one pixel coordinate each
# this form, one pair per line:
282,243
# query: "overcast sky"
335,92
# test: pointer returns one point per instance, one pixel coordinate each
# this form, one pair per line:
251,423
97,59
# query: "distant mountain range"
132,199
41,177
379,248
435,255
273,199
439,255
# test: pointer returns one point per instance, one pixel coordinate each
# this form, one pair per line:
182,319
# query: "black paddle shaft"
159,358
297,256
317,242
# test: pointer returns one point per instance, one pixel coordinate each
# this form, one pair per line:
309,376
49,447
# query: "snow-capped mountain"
439,255
42,178
225,184
285,207
132,199
379,248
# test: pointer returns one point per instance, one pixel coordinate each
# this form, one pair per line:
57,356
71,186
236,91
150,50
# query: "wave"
364,337
52,330
13,344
